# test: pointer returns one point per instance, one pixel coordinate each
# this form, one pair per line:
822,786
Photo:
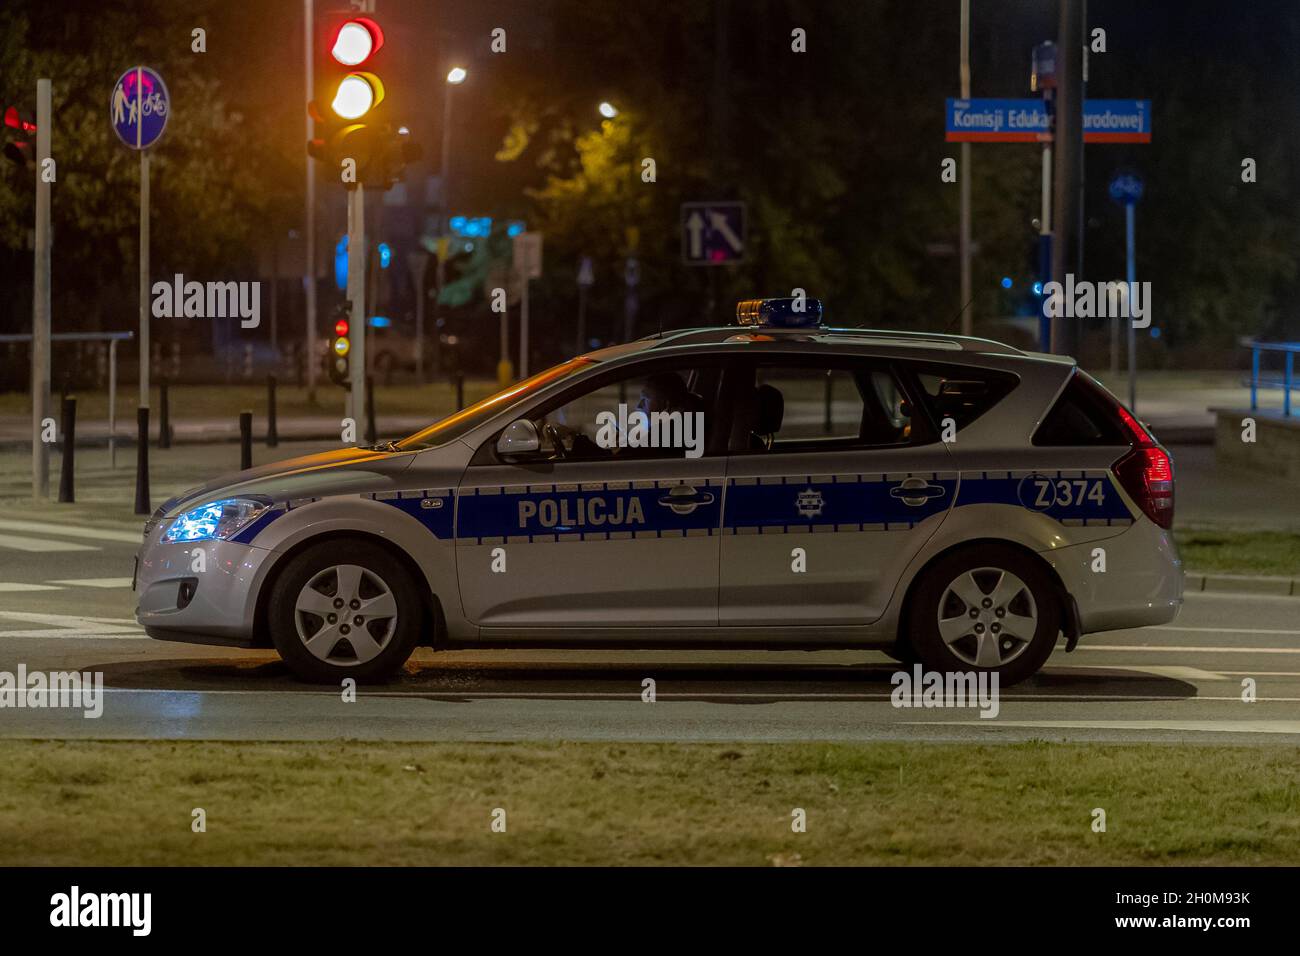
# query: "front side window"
467,419
655,411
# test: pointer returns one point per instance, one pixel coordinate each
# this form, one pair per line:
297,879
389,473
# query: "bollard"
69,450
272,434
164,415
142,461
245,440
460,390
371,436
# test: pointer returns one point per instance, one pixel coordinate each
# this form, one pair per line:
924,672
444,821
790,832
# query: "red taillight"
1147,474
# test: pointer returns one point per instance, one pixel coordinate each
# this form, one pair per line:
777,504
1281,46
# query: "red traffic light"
357,40
18,120
341,327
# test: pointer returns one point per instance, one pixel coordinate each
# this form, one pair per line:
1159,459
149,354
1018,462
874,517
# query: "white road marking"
1174,671
70,626
1184,649
72,531
96,582
1223,630
1203,726
10,586
41,544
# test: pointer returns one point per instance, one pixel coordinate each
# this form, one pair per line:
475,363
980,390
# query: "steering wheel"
553,436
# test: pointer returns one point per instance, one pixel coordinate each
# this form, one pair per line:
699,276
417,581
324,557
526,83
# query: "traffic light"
349,107
341,346
21,150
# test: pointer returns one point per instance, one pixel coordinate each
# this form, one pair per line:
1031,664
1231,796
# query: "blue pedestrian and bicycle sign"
139,107
713,233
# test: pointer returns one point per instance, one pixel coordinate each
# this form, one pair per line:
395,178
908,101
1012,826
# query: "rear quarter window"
1085,414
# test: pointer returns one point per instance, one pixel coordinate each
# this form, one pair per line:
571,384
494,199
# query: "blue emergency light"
784,313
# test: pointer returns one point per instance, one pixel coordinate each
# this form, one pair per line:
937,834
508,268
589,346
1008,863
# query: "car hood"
339,472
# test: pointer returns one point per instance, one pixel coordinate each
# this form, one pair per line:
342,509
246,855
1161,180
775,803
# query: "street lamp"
607,110
455,77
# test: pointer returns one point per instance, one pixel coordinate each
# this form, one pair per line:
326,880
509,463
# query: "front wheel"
986,608
344,608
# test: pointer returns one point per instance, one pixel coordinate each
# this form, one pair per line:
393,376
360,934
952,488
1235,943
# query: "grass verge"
347,803
1240,552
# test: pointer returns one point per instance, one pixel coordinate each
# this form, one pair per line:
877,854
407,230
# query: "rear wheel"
344,608
985,608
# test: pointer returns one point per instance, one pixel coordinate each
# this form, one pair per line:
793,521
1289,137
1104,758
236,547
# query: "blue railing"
1288,350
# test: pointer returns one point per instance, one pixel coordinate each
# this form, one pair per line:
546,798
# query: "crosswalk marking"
41,544
68,625
95,582
71,531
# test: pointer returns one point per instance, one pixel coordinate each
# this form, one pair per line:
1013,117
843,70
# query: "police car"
771,484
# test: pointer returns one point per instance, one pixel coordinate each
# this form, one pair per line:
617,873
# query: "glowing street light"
456,76
607,110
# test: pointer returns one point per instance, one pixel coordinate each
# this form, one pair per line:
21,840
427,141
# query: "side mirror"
519,438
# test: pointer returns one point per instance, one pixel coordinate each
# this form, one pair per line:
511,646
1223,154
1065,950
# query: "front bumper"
212,597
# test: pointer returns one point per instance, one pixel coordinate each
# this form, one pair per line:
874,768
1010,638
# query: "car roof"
940,345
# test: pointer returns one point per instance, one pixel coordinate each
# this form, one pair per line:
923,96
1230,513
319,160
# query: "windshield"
467,419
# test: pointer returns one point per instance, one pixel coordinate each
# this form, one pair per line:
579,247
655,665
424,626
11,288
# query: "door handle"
916,491
684,499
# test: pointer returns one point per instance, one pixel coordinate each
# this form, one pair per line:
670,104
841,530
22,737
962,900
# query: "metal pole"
309,278
1067,151
446,155
581,345
144,277
1045,245
1130,240
112,403
41,297
523,332
357,299
418,264
967,315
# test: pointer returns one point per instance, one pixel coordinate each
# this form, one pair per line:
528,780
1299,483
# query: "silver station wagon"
773,484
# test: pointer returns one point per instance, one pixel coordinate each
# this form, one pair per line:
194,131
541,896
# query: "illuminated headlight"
217,520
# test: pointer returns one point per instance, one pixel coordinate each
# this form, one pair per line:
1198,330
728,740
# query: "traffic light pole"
357,301
41,299
310,356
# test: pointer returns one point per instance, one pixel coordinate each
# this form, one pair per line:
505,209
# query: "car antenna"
956,317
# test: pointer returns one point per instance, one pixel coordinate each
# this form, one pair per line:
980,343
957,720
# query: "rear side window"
1085,414
963,393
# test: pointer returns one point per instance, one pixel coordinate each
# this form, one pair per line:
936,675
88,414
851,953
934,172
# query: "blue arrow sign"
139,107
713,233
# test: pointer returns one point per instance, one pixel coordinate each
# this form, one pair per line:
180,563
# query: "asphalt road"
66,604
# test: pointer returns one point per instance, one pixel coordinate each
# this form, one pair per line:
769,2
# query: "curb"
1241,584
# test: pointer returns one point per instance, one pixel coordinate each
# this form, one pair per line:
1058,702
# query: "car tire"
344,575
1016,621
